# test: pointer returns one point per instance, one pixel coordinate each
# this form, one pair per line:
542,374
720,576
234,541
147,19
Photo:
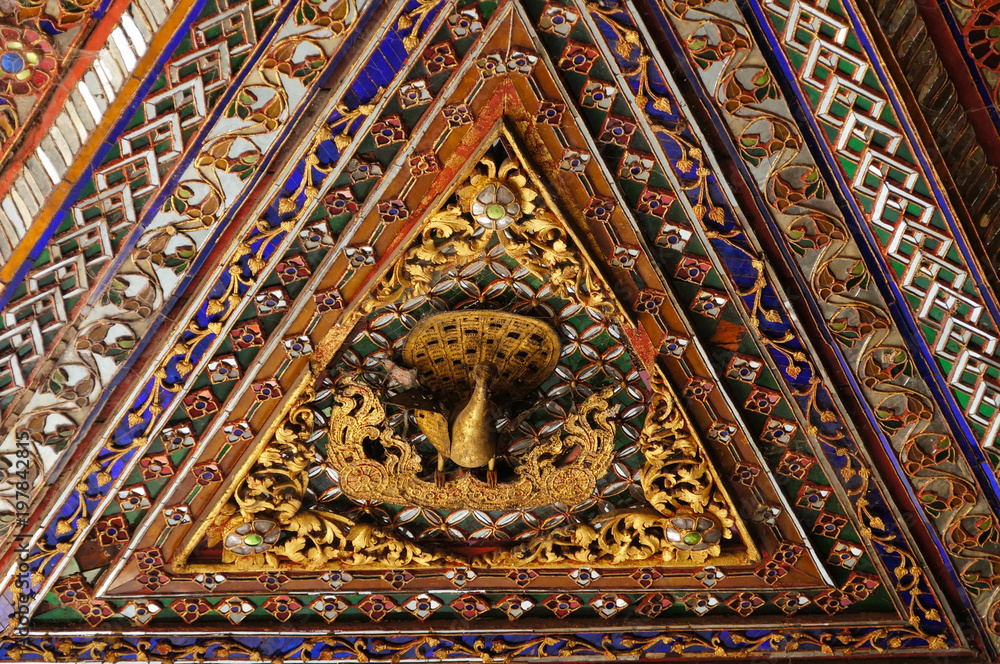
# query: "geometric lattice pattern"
768,411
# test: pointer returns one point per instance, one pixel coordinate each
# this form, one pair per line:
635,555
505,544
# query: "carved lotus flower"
255,537
693,532
495,207
499,198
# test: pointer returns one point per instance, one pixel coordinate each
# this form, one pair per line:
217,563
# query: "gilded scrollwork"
686,515
270,522
612,645
359,416
689,516
498,203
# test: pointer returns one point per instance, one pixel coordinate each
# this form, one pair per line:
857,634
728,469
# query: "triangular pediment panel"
502,270
493,342
559,168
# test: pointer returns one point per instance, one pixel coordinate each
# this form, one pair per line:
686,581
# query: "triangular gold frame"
679,480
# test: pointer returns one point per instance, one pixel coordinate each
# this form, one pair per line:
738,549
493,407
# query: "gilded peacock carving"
466,363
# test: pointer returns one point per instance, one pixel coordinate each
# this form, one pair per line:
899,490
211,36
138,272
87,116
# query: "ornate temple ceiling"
488,331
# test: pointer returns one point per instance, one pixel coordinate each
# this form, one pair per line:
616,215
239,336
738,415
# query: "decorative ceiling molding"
140,277
818,237
65,87
746,275
966,141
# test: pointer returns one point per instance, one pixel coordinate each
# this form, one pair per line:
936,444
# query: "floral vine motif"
138,289
198,203
695,176
690,519
359,416
909,575
500,203
491,647
27,63
629,42
412,22
263,108
856,316
269,521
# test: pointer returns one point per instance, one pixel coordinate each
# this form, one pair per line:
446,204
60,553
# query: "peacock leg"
439,475
406,424
491,473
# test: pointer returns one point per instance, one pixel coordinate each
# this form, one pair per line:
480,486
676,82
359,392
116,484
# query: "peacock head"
483,373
